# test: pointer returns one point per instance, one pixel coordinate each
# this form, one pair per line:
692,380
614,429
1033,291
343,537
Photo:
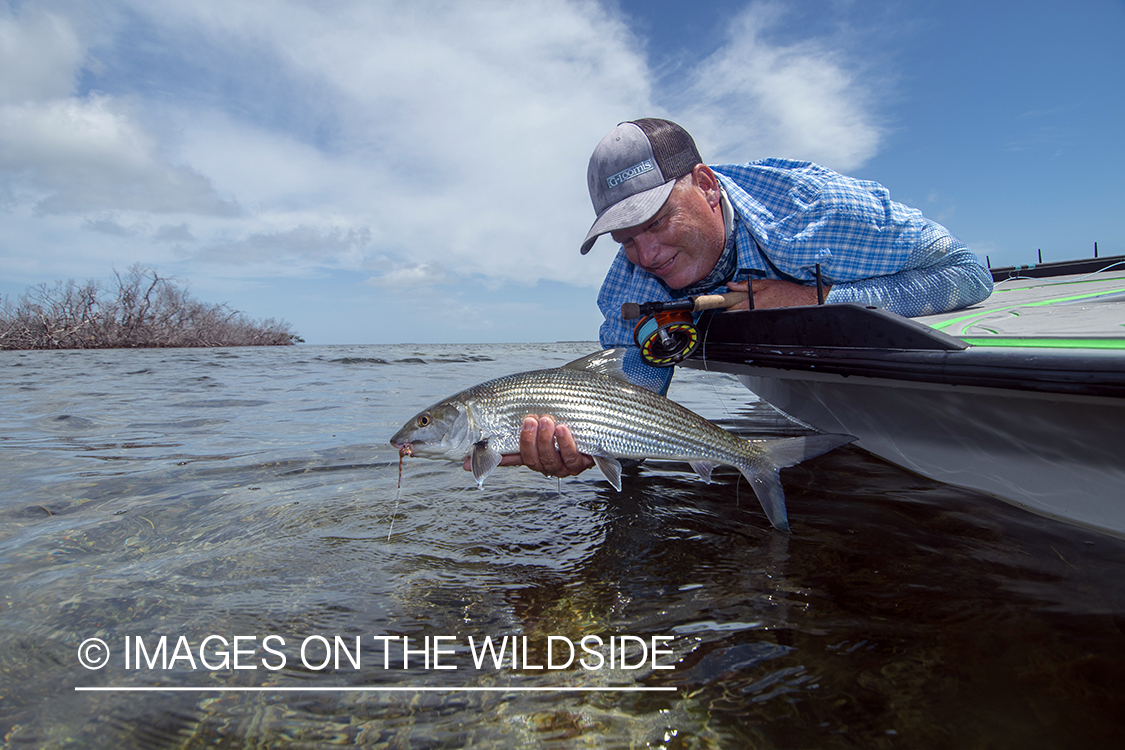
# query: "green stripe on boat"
1040,342
978,314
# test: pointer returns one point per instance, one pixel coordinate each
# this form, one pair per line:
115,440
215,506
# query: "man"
686,229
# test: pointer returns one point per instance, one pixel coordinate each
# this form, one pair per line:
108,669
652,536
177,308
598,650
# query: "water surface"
250,492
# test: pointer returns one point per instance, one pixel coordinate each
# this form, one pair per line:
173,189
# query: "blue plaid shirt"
788,217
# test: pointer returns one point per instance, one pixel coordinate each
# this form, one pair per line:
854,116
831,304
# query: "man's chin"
677,280
669,275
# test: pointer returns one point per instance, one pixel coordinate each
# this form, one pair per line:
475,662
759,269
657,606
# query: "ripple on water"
898,612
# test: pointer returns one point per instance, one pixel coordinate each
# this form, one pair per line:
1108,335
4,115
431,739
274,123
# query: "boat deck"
1078,311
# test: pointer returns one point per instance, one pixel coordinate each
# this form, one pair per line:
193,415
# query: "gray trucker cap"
632,172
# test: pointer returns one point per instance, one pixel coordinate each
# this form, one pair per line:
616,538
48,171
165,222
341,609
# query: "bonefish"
610,419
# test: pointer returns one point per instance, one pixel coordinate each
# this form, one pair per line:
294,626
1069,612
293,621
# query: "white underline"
375,689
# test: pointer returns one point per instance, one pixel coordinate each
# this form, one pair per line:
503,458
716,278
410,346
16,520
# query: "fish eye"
423,419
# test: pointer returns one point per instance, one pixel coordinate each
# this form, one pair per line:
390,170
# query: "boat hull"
1055,454
1021,397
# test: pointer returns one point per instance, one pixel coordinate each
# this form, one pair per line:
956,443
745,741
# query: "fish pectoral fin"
484,461
610,467
703,469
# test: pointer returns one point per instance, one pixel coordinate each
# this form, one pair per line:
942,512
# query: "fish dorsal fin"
606,362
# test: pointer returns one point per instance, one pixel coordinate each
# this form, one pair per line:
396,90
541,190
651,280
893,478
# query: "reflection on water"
250,492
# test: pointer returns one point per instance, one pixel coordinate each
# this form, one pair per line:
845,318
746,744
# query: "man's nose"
647,248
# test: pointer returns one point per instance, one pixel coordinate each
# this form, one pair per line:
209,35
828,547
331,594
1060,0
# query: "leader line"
291,689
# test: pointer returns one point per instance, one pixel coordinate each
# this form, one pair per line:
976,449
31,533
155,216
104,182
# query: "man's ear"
706,181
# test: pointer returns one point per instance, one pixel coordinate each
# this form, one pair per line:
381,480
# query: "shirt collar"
728,212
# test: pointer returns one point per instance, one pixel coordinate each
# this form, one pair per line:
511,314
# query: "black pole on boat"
1040,255
819,287
1095,249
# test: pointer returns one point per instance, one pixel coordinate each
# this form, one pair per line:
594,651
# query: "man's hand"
776,293
547,448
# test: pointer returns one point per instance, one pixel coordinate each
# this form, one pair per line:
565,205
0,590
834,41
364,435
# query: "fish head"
442,431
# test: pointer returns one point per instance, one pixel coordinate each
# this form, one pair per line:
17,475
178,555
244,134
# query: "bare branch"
143,309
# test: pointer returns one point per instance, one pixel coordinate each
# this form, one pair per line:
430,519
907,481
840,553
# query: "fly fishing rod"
698,303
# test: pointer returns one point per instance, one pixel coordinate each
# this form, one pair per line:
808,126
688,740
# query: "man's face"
682,242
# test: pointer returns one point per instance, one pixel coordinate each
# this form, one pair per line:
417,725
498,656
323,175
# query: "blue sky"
383,172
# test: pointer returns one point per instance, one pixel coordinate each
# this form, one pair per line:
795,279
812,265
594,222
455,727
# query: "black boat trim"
851,340
1056,268
839,325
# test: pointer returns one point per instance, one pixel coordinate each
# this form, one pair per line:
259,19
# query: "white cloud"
459,132
77,155
40,54
174,233
808,99
109,225
410,143
412,277
295,250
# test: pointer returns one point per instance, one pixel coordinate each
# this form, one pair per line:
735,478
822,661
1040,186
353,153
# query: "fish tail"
762,470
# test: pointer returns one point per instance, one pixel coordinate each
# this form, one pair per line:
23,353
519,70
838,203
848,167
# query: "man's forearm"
920,291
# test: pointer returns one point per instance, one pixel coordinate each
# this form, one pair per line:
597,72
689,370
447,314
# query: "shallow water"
250,492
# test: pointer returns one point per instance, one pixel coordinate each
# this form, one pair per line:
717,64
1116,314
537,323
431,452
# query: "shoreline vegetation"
139,309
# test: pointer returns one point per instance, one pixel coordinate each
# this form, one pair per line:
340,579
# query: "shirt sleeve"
941,274
622,285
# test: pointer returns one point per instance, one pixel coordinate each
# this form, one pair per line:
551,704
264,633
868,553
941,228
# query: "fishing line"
711,383
1017,277
398,495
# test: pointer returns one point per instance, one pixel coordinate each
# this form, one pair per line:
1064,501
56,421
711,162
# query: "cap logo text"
627,174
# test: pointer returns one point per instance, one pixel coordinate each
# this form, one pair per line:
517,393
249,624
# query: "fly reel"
666,338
